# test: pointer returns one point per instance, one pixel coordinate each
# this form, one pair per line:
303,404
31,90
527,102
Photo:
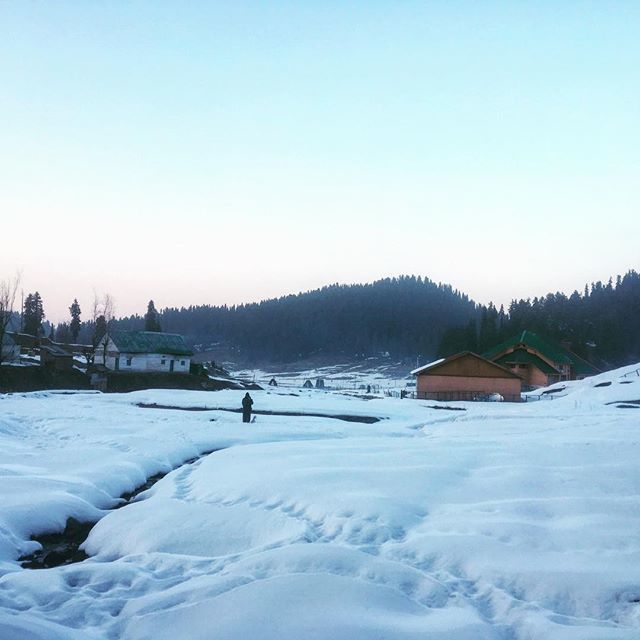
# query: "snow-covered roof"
56,350
466,354
427,366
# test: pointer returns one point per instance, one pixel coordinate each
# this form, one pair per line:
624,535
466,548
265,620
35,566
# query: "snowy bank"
501,521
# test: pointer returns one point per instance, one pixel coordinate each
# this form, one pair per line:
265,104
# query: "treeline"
404,316
602,323
31,320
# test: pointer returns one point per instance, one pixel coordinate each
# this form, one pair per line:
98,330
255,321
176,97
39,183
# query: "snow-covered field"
379,374
503,521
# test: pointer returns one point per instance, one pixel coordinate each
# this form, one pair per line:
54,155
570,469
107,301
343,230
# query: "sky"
223,152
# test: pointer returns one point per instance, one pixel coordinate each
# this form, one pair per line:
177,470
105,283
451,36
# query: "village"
507,372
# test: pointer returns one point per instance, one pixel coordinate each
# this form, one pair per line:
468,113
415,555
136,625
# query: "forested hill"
405,316
408,317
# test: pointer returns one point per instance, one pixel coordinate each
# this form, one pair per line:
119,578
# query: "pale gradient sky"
220,152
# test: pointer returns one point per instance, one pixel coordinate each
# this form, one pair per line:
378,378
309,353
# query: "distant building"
466,376
28,344
148,351
539,361
54,356
99,378
307,384
10,348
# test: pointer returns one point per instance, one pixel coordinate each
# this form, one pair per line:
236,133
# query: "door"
117,365
171,365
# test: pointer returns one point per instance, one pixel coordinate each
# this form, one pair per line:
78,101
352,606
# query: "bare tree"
8,290
108,307
103,306
95,308
90,350
102,311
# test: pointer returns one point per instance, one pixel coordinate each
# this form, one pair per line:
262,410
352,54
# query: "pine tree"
152,319
74,325
33,314
63,333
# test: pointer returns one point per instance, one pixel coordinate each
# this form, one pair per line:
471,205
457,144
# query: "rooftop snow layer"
427,366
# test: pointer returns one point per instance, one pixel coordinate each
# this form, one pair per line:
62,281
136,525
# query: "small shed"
98,376
466,376
54,357
307,384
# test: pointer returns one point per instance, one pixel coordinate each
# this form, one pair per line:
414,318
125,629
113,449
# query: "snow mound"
190,528
618,386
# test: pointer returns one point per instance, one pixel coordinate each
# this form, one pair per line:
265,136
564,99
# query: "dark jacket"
247,403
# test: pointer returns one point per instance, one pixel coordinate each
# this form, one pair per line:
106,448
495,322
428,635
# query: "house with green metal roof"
539,361
147,351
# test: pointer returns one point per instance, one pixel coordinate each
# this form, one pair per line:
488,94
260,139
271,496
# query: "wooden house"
539,361
466,376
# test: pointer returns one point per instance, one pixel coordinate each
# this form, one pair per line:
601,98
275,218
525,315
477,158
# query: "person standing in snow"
247,403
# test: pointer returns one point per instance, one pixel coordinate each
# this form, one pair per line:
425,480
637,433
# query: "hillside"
404,316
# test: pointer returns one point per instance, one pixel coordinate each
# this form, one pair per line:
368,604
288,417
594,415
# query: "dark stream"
64,547
264,412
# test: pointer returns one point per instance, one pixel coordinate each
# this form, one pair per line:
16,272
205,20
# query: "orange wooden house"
466,376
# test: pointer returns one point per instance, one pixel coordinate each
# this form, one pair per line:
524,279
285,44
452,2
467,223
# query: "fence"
540,396
468,396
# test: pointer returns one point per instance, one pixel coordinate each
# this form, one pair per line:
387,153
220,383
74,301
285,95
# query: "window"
129,362
182,363
163,361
